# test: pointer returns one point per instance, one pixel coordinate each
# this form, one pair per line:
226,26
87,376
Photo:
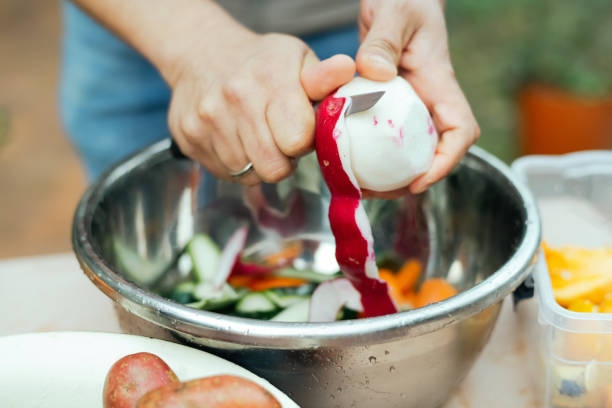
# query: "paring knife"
357,103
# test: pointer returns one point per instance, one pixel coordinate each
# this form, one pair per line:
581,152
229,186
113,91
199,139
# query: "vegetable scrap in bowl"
581,278
274,289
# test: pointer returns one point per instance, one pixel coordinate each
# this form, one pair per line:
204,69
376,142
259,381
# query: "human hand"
408,37
252,103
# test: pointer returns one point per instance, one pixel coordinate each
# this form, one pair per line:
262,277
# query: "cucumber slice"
256,305
306,274
210,298
284,301
183,292
297,313
205,256
302,290
137,268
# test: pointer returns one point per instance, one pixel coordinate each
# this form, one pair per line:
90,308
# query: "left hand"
408,37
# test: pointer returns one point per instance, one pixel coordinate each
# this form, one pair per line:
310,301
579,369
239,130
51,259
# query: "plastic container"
574,196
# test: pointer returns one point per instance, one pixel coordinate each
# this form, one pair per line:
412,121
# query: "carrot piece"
288,253
410,298
394,290
387,275
240,281
408,275
270,282
398,294
434,290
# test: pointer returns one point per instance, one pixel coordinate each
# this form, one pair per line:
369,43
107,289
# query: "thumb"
380,51
320,78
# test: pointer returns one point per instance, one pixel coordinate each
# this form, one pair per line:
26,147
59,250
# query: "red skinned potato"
221,391
132,377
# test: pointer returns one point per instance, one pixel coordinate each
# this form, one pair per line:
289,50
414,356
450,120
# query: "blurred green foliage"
497,46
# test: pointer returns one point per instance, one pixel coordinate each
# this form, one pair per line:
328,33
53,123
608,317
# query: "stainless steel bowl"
479,228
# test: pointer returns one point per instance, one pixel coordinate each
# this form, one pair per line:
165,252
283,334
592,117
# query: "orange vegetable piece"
606,305
408,275
288,253
582,306
395,289
410,299
240,281
387,275
402,283
579,273
434,290
271,282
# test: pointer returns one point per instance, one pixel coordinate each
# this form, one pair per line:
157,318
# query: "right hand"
252,103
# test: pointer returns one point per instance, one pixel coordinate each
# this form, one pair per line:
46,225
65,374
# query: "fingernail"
383,62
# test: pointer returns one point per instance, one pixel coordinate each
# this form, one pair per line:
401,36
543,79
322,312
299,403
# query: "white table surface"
50,293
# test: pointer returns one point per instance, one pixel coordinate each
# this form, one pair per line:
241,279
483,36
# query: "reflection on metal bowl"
478,228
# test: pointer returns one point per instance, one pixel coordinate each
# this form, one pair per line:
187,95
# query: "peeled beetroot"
343,148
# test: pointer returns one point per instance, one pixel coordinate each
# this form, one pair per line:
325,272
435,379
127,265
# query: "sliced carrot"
271,282
400,296
410,299
289,252
408,275
240,281
387,275
434,290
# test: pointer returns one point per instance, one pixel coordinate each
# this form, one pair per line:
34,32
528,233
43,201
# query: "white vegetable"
392,143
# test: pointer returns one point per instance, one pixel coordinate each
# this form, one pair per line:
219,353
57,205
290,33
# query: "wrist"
204,37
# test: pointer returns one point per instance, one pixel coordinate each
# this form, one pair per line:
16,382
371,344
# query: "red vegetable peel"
382,148
349,222
331,296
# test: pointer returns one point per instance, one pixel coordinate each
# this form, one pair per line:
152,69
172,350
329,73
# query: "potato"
221,391
133,376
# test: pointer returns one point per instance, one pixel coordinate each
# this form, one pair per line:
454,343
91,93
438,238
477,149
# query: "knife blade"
362,102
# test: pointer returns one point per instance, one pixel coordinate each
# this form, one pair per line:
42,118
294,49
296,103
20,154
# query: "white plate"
67,369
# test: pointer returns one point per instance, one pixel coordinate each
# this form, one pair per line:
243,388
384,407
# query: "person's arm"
237,96
409,37
165,31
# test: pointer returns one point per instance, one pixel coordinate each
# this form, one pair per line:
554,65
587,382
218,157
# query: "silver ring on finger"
246,169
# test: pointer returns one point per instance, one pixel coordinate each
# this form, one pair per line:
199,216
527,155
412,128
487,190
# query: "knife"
356,103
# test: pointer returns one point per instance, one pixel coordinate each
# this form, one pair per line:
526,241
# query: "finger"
219,147
292,123
230,152
459,132
392,27
320,78
270,164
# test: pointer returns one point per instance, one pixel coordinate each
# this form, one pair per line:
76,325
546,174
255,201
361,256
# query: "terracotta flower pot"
557,122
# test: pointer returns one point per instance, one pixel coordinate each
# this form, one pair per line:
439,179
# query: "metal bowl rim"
260,332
